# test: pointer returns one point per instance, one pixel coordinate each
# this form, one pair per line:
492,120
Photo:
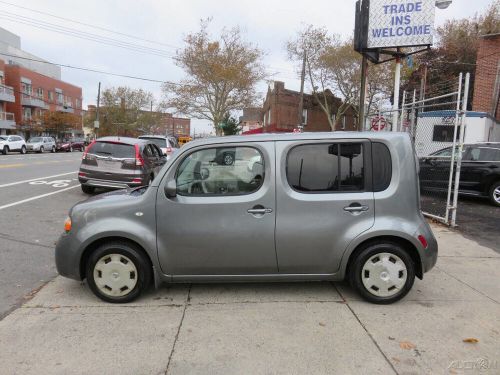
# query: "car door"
17,143
324,200
222,220
478,165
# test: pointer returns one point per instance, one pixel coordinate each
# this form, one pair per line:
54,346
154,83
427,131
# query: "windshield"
35,140
160,142
3,139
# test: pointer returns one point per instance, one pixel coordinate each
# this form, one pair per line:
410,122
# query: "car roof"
486,144
267,137
124,140
154,136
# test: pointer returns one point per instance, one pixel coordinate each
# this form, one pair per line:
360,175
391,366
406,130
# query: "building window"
60,98
27,113
51,95
39,92
326,168
444,133
27,89
78,103
269,117
342,126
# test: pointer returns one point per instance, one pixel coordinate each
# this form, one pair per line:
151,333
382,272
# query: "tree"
221,75
455,52
59,122
230,126
333,64
126,111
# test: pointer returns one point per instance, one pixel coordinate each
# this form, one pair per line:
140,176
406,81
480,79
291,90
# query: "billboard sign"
400,23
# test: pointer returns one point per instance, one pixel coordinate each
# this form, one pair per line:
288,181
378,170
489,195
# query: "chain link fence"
436,126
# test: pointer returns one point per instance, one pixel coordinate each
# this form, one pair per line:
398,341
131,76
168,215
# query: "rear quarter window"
382,166
115,150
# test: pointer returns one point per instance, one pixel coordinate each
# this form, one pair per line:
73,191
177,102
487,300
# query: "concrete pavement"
313,328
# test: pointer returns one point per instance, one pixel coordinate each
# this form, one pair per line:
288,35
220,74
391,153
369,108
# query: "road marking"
37,197
55,183
36,179
12,165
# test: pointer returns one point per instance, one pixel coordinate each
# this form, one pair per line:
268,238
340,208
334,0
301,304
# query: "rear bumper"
109,184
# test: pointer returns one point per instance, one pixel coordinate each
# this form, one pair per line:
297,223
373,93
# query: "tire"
23,150
70,149
41,150
88,189
118,272
53,149
393,283
5,150
494,194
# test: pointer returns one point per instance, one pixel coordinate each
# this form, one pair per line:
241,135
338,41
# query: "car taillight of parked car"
139,161
169,150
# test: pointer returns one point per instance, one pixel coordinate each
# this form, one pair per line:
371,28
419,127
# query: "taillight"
423,241
139,161
81,174
87,149
137,181
169,150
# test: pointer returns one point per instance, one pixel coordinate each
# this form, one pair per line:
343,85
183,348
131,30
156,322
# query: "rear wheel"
118,272
70,149
88,189
382,273
53,150
494,194
41,150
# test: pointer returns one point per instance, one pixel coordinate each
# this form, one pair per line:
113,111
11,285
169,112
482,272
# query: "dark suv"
480,171
119,162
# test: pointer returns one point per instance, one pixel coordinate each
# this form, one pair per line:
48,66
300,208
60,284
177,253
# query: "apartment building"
7,121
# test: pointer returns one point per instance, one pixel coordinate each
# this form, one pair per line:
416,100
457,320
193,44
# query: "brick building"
280,112
251,119
487,81
7,122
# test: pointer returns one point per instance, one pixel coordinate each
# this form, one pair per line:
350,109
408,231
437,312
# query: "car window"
326,168
160,142
483,154
156,151
221,171
382,166
147,151
116,150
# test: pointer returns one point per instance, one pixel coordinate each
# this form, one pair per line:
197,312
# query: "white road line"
35,179
37,197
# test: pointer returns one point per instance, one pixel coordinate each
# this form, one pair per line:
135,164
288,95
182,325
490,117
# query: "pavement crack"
366,330
470,286
12,239
179,329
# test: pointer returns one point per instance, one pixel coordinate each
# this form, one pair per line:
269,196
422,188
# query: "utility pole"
301,100
362,94
96,122
397,83
423,83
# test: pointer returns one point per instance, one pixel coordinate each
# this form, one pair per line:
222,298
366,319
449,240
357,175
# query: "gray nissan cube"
287,207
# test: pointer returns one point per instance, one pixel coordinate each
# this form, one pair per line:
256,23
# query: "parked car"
41,144
305,210
70,145
167,145
12,143
119,162
479,176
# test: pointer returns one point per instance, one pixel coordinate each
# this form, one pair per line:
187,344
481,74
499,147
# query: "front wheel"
5,150
118,272
382,273
88,189
23,150
494,194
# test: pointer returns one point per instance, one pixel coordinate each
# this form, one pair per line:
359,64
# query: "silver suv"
167,145
41,144
289,207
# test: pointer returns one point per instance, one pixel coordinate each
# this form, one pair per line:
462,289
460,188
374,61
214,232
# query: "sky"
266,23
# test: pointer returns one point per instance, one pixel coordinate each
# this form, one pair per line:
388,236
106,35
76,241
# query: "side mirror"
171,189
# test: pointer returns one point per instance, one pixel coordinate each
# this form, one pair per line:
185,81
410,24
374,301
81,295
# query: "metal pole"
412,124
402,111
97,108
460,149
362,94
453,152
301,100
397,82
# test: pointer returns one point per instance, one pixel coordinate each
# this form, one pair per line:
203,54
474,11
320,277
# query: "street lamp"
443,4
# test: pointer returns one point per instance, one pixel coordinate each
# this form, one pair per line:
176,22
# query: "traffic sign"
378,123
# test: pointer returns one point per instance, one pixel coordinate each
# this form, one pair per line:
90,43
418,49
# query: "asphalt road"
36,192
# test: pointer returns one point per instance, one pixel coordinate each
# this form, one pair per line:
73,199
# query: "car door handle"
356,208
259,211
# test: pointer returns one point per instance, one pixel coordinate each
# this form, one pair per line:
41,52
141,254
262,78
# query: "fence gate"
437,127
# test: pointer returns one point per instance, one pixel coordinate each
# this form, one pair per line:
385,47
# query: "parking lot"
297,328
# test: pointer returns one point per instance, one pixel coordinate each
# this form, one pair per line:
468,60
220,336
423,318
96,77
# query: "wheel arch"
404,243
100,241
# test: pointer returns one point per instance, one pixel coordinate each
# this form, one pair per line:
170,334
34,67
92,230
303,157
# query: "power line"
90,25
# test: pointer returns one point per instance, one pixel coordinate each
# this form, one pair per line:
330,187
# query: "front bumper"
67,257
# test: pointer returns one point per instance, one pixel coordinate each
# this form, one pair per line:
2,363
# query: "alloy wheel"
496,195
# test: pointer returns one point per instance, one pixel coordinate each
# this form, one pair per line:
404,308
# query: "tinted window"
116,150
35,140
160,142
382,166
221,171
484,154
326,167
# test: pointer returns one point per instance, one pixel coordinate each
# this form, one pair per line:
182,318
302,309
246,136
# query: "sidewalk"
303,328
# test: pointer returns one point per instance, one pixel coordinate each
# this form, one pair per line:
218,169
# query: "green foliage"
230,125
